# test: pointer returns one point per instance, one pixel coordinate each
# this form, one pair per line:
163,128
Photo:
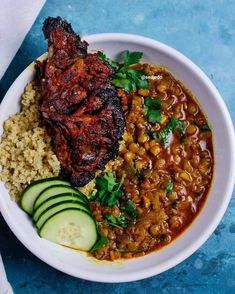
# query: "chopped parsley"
109,191
125,76
169,187
102,240
174,204
165,133
119,221
108,60
131,57
152,109
205,128
129,208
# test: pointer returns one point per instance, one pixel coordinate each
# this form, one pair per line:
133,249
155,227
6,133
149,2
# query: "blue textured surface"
205,32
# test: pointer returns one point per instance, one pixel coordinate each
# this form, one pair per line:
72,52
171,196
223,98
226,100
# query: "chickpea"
175,222
195,160
155,150
129,156
133,147
161,87
177,177
192,108
191,129
141,151
146,202
179,112
176,149
154,230
142,137
127,137
172,196
177,159
198,180
140,164
166,105
146,145
160,163
116,211
204,166
185,176
204,153
152,143
164,119
187,166
133,246
177,90
143,92
205,135
167,238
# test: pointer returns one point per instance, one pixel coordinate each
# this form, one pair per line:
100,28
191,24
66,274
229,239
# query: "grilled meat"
80,107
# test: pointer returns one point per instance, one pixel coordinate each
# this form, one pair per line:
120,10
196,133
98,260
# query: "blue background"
205,32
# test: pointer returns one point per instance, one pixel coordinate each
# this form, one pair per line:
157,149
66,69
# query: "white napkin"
5,287
16,19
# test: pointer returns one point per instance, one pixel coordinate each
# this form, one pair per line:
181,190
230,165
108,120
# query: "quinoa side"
25,150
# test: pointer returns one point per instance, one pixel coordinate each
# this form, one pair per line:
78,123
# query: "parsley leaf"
108,60
127,77
126,84
174,204
119,221
131,57
169,187
152,102
154,116
165,133
108,190
152,109
205,128
130,208
102,240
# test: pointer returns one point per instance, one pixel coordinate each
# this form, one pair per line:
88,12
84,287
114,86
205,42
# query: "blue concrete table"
204,31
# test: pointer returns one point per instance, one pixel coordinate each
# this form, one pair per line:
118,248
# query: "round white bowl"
78,264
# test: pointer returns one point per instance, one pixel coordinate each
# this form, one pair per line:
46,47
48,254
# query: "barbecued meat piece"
80,107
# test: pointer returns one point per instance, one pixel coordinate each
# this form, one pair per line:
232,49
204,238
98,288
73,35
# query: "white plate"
78,264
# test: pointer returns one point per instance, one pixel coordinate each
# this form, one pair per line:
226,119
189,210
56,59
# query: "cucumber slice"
58,207
71,227
54,200
32,191
55,190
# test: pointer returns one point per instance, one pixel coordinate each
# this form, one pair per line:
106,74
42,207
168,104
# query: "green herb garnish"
119,221
205,128
174,204
130,208
102,240
109,191
127,77
165,133
109,60
169,187
152,109
131,57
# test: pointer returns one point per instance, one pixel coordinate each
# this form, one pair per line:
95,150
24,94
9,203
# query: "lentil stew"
164,166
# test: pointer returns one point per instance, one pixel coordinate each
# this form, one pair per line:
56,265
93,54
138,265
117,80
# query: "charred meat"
80,107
